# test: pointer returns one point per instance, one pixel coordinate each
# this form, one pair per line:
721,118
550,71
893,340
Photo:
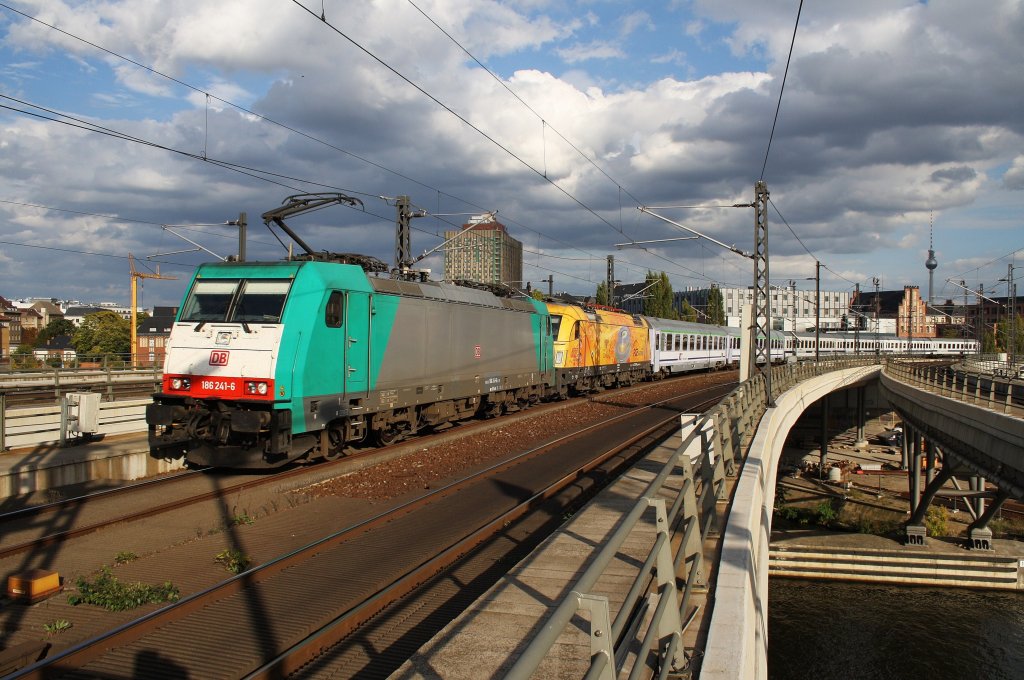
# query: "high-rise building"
484,252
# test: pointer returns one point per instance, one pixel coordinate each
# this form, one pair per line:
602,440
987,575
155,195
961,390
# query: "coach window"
679,342
657,341
335,308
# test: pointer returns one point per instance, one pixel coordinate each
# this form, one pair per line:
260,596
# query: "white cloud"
599,49
1014,177
889,113
635,21
673,56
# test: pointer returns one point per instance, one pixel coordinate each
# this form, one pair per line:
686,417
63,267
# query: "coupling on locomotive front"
269,362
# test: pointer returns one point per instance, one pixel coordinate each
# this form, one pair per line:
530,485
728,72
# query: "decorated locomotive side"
596,348
270,362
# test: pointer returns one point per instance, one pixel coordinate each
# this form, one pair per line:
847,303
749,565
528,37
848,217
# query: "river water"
832,630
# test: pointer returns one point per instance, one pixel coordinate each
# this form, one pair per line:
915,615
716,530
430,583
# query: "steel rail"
75,501
331,634
354,460
89,650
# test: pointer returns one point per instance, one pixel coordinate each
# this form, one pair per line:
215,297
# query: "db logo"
219,357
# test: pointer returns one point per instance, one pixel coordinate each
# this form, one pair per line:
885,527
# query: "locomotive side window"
260,301
209,300
335,309
556,323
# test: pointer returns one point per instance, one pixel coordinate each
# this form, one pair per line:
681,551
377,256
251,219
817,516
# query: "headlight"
256,387
180,384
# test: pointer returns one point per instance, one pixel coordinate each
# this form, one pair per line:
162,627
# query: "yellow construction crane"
136,275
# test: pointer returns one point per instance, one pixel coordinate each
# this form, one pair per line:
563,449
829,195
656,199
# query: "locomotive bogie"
350,359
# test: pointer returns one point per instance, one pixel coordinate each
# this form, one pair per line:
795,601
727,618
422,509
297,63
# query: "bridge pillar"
908,433
979,536
915,472
861,442
930,458
978,484
823,454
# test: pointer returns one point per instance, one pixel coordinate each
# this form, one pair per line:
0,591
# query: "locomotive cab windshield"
236,301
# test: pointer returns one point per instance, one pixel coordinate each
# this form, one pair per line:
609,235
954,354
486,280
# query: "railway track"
260,620
88,513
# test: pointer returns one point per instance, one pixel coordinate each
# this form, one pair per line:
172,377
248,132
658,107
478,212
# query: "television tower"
931,263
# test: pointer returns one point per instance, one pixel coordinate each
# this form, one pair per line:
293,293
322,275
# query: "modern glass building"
484,252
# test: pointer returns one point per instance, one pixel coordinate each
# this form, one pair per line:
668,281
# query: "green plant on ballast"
826,514
233,560
124,557
116,596
936,520
788,513
56,627
244,518
877,527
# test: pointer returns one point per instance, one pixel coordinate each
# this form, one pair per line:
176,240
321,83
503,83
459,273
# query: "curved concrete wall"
737,646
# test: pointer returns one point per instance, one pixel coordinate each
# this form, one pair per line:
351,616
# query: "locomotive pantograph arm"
299,204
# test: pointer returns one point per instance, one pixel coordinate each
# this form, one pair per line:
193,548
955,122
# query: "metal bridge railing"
722,436
981,388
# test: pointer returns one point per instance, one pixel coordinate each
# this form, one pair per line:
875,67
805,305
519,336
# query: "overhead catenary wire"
255,114
782,89
118,218
545,124
255,173
280,178
459,116
264,118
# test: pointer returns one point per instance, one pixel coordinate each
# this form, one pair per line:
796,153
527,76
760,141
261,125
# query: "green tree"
716,306
688,313
53,329
1003,340
988,343
602,294
658,296
22,357
103,333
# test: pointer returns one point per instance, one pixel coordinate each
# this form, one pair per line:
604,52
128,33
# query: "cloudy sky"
120,116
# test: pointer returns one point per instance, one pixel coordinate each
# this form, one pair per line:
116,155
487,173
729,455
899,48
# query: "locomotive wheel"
336,442
386,436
